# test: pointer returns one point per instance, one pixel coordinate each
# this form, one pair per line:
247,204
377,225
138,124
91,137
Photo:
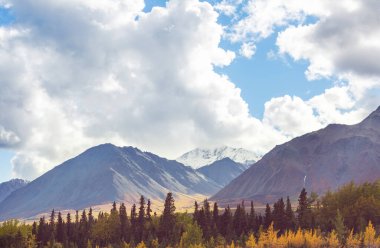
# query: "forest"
348,217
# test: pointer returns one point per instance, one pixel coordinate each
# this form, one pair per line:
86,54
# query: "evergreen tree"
149,211
69,230
141,221
124,223
91,219
60,228
252,224
34,228
114,225
240,220
226,224
290,218
133,222
340,227
196,212
167,223
268,216
215,220
52,225
303,210
206,223
42,236
279,216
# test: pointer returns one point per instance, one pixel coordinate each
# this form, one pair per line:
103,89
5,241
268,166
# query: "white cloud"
247,50
8,138
341,45
78,73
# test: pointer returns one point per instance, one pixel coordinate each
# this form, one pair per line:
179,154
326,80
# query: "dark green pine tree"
215,220
206,225
240,220
141,221
42,234
290,218
60,229
114,225
303,210
34,228
252,224
167,222
268,216
133,223
52,226
279,216
83,230
226,225
69,228
124,223
196,213
149,211
91,219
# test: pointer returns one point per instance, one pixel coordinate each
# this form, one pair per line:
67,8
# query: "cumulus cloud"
7,138
78,73
341,44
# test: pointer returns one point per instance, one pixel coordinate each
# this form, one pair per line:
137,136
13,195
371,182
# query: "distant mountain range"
223,171
200,157
103,174
319,161
6,188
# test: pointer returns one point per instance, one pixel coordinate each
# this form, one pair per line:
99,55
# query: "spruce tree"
290,218
215,220
303,210
279,216
252,225
226,224
167,223
133,222
52,225
60,228
69,230
196,213
268,216
141,221
124,223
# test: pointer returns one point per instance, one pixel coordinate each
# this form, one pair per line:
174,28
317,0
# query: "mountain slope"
318,161
6,188
103,174
201,157
223,171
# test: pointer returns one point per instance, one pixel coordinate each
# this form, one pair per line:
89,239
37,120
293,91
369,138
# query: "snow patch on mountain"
204,156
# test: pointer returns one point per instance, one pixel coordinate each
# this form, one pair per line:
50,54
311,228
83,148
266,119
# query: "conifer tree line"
348,217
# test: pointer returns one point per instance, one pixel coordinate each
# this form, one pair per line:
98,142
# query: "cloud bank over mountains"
78,73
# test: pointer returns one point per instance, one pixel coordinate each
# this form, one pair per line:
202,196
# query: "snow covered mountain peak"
204,156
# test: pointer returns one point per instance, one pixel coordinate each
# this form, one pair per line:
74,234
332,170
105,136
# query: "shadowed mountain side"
319,161
223,171
6,188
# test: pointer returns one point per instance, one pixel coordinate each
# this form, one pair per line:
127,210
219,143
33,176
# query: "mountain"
319,161
201,157
223,171
103,174
6,188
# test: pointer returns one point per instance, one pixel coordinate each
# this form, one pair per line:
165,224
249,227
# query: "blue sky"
262,79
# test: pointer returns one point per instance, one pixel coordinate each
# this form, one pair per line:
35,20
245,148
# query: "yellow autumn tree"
268,238
313,239
141,245
353,241
251,242
369,237
282,241
332,240
297,239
